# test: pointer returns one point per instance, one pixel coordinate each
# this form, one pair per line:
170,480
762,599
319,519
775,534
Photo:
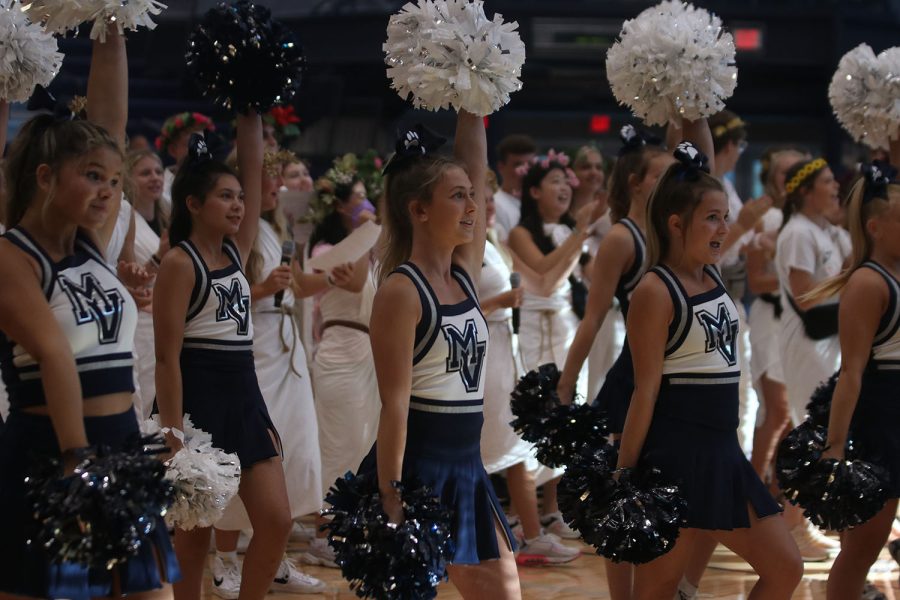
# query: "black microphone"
515,280
287,254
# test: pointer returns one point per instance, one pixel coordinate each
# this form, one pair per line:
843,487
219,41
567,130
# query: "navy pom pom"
818,409
243,59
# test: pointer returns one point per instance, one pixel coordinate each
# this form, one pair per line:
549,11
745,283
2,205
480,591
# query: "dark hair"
794,199
331,229
635,163
673,195
197,179
45,139
726,127
515,144
530,217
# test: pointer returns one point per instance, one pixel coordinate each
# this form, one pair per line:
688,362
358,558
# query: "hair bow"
198,152
691,162
878,176
42,99
633,139
411,144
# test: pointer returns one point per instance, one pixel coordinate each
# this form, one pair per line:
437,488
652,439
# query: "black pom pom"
636,519
102,514
382,560
243,59
818,409
559,432
834,494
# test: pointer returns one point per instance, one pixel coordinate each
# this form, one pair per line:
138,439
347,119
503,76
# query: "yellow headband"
801,175
719,130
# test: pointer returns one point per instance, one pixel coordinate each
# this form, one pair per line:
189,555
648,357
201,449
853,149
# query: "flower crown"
274,162
546,162
174,125
342,172
800,176
284,120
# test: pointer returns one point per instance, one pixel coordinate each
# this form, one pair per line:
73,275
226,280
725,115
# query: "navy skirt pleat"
875,424
24,568
615,393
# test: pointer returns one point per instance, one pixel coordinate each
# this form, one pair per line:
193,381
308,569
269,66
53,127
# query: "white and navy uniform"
820,251
615,394
98,317
443,433
692,438
220,389
876,418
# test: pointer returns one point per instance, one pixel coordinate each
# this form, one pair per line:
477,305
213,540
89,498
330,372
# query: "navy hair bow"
412,144
633,139
878,176
691,162
198,152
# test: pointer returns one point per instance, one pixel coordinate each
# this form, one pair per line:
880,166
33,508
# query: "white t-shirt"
733,255
508,209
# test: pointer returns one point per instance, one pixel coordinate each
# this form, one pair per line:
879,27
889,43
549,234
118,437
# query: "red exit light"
748,39
599,123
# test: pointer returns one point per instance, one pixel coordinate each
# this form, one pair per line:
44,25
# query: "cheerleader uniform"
98,317
692,437
874,424
443,434
218,376
615,395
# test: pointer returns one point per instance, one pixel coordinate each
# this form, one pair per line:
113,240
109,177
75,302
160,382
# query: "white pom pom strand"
865,95
29,56
61,16
448,53
673,61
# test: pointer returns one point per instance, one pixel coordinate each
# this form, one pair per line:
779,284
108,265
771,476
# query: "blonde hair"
131,161
858,214
415,181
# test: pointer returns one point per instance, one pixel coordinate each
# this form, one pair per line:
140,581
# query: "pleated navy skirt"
221,394
876,421
693,440
24,569
444,452
615,393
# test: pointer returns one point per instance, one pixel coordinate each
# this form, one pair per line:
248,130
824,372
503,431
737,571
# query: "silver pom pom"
448,53
60,16
865,95
672,62
205,478
28,55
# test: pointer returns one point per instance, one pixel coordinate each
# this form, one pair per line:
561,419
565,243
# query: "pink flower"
570,175
378,162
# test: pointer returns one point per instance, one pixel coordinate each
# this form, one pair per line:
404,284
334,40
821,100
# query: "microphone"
515,280
287,254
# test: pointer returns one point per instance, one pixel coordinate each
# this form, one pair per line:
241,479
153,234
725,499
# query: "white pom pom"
205,478
672,62
60,16
448,53
28,55
865,95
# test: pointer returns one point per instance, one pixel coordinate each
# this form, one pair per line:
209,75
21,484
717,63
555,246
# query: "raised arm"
4,125
470,148
698,133
107,105
250,164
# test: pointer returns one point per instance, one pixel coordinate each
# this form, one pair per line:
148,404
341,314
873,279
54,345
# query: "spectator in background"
513,151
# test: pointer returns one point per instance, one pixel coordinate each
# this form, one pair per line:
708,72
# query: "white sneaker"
515,525
319,553
544,550
226,578
300,532
553,523
831,545
290,580
810,548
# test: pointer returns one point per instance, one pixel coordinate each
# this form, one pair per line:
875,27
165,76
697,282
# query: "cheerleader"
864,404
429,341
204,358
683,416
619,264
68,330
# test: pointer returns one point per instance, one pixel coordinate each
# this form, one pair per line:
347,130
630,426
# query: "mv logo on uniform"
721,333
466,353
91,303
233,305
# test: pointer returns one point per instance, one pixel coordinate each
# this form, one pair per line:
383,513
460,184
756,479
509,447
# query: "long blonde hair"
858,214
415,181
131,160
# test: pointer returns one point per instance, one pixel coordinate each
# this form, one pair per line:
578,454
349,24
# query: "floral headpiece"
274,162
342,172
546,162
174,125
800,176
284,120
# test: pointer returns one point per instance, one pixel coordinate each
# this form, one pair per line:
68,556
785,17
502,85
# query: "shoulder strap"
201,280
232,250
713,271
679,328
465,281
634,274
19,237
891,319
84,243
428,326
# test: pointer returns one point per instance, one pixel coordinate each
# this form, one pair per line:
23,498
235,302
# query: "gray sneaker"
319,553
